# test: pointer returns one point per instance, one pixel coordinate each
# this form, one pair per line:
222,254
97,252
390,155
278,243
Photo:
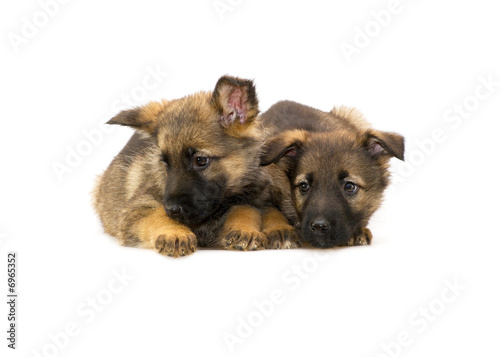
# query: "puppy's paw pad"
285,238
243,240
176,245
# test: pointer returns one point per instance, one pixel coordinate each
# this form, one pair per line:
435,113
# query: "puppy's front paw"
176,244
244,240
283,238
361,237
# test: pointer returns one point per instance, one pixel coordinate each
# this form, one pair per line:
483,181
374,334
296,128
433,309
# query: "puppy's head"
207,143
337,178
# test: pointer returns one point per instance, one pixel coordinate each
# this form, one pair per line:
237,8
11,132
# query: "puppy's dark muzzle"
323,233
188,209
181,210
320,226
173,209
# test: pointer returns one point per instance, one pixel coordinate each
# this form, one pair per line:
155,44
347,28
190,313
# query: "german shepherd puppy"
189,177
329,170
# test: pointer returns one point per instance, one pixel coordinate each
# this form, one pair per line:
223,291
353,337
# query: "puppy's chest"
208,234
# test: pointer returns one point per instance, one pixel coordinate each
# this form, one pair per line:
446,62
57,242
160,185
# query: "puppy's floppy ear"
286,145
236,101
143,118
384,144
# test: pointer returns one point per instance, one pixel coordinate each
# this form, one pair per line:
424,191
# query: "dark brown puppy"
329,170
190,175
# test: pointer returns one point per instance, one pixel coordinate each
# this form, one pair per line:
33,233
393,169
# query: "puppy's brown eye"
351,188
163,160
201,162
304,187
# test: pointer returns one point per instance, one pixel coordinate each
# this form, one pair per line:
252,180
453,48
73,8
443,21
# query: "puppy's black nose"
173,209
320,225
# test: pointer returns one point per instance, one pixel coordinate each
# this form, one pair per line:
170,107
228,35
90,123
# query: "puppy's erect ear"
143,118
236,101
384,144
285,146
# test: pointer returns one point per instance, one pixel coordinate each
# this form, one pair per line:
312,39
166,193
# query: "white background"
435,227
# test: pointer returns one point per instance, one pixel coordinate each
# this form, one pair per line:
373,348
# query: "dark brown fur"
329,170
190,175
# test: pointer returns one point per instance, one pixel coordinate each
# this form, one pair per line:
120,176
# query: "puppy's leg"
362,236
280,234
242,229
150,227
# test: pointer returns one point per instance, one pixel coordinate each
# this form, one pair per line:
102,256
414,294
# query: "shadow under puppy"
328,170
190,177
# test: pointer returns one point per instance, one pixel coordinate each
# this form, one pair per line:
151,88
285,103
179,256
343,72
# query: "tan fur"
134,178
242,229
152,110
279,232
168,237
353,115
